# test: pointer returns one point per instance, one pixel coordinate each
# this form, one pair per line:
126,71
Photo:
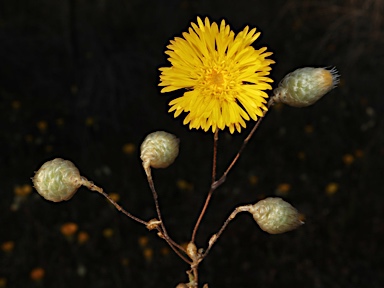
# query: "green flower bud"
57,180
159,150
275,216
303,87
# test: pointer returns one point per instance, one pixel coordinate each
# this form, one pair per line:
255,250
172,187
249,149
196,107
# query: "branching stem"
162,230
215,184
218,234
91,186
222,179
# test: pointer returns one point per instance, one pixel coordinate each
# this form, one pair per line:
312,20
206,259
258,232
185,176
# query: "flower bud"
159,150
57,180
304,86
275,216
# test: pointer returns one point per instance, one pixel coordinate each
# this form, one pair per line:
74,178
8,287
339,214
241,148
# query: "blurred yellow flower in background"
224,76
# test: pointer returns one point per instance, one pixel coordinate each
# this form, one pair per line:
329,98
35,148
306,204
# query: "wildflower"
359,153
125,261
42,126
159,150
348,159
223,74
82,237
331,188
283,189
184,185
129,148
21,193
69,229
37,274
108,232
165,251
275,216
8,246
305,86
57,180
148,254
114,196
253,179
143,241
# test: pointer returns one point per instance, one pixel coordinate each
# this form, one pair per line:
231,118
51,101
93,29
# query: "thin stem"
171,243
218,234
209,196
222,179
93,187
155,198
214,164
196,274
163,231
174,245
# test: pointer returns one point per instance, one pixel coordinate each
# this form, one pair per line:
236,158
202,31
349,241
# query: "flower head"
305,86
224,76
275,216
57,180
159,150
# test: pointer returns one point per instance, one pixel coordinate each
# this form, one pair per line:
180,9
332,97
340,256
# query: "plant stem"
170,242
163,231
222,179
215,184
93,187
209,196
218,234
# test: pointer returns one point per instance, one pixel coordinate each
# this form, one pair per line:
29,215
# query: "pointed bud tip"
305,86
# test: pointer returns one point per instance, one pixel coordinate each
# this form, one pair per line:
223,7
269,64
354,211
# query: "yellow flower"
224,76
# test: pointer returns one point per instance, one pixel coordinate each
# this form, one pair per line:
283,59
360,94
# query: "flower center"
216,78
216,82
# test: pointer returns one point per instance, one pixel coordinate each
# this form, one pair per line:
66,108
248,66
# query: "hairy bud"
57,180
275,216
159,150
304,86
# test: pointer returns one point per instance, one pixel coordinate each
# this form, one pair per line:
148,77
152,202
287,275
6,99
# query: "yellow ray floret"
223,75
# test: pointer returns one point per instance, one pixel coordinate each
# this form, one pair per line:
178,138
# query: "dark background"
78,80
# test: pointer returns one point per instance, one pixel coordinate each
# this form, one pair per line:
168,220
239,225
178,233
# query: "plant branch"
155,198
162,230
209,196
216,183
93,187
218,234
222,179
